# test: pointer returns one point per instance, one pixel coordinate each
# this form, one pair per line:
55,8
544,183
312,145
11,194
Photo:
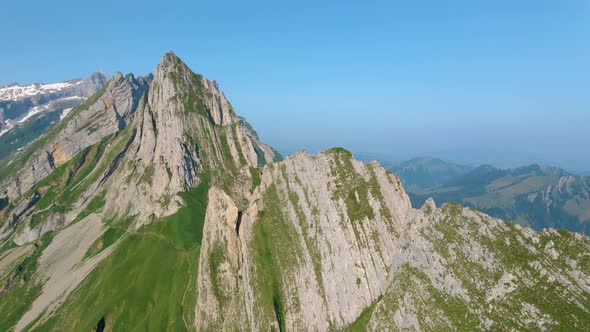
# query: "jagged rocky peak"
176,81
162,134
182,132
429,204
91,85
98,77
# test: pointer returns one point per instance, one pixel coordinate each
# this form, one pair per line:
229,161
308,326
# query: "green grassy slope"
148,282
18,300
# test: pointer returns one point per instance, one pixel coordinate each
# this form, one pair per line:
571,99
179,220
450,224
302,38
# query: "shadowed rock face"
157,190
100,326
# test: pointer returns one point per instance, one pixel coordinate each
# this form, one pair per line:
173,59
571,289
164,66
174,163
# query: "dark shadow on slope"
238,223
278,315
101,325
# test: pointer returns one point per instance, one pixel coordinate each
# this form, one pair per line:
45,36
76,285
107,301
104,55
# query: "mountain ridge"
428,172
535,195
172,215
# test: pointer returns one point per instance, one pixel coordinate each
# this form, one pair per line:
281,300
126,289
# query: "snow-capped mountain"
21,103
27,112
16,92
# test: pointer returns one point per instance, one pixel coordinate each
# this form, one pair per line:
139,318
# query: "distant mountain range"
26,112
534,196
428,172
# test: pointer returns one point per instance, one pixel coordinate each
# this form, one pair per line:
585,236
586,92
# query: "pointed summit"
175,83
169,56
98,78
170,62
187,130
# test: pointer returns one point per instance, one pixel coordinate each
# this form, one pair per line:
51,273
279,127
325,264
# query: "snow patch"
72,98
31,112
16,92
65,112
9,126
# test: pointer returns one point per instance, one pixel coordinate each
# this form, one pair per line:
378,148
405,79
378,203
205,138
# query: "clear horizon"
499,83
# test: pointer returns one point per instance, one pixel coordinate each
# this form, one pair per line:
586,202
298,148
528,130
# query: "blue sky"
500,82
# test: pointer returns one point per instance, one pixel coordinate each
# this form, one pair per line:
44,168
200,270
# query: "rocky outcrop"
458,269
221,298
28,234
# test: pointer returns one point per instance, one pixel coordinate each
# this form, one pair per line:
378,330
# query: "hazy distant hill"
427,172
535,196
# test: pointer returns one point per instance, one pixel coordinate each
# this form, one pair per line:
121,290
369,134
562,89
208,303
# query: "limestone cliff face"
221,297
330,243
331,224
184,131
315,246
